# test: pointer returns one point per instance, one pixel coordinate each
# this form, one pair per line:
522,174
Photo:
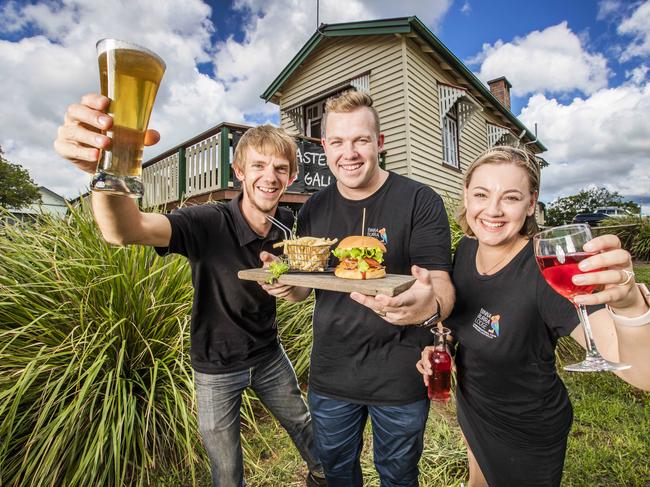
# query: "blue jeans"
397,432
219,399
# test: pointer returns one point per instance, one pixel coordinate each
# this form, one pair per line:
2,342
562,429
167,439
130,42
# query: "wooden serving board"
390,285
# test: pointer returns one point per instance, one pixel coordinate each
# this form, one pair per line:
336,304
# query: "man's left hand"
411,307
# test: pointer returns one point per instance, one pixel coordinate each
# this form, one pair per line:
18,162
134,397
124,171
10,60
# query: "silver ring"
630,276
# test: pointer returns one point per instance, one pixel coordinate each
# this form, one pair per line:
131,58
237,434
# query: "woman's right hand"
424,364
80,138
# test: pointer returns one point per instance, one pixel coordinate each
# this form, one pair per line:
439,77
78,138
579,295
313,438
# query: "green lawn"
609,443
642,273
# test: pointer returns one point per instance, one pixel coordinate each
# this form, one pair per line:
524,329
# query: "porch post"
224,157
182,173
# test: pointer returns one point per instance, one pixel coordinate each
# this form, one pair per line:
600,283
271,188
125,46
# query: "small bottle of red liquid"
440,380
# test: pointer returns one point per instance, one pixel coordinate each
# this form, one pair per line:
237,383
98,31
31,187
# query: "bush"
95,383
294,326
633,231
641,244
451,206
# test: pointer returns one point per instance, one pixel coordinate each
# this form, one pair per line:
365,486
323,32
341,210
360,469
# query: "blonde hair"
505,155
347,102
267,139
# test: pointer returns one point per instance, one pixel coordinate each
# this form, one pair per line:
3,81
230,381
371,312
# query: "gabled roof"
403,25
54,195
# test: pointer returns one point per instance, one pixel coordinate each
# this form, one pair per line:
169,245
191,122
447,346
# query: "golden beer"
129,75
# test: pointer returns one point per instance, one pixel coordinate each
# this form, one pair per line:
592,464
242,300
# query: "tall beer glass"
129,75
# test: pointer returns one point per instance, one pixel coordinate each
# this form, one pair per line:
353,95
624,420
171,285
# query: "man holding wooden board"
361,363
234,337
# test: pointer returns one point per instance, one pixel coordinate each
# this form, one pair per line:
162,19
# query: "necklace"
506,255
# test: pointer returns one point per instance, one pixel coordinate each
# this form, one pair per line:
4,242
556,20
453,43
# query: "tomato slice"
372,262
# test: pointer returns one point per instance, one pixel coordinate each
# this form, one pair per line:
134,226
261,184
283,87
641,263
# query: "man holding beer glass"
233,334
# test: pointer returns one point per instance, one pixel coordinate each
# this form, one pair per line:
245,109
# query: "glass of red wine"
558,252
440,380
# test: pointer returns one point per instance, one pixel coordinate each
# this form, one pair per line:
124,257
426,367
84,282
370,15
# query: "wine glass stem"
592,351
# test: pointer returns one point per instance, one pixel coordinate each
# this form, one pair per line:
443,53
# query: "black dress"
512,406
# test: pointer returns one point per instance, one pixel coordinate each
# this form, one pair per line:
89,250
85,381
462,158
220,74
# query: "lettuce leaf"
277,268
359,255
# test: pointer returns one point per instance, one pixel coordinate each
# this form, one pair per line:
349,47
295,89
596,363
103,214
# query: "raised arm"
121,222
623,332
80,141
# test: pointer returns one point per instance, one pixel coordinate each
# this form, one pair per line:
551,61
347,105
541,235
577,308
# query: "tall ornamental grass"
633,231
95,383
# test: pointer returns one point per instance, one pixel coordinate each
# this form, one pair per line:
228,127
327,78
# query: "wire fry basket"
308,258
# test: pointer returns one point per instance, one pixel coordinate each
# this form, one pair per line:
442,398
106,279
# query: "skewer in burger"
360,258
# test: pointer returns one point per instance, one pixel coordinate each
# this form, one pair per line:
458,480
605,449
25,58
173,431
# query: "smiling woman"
512,407
497,199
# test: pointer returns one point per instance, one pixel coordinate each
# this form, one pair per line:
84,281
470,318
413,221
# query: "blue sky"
579,69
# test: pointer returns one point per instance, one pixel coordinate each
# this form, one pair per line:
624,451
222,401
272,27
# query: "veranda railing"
197,166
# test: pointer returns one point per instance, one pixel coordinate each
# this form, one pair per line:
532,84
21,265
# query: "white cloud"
249,67
603,140
430,12
466,8
637,75
607,8
553,60
42,74
638,26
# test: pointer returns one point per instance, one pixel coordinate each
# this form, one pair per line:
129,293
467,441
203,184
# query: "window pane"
450,141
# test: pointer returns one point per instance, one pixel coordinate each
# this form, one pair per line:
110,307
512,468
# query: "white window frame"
313,112
450,142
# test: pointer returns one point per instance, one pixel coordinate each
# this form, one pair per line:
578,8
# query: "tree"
17,189
562,210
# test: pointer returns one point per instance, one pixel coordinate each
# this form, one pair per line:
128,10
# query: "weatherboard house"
50,203
437,116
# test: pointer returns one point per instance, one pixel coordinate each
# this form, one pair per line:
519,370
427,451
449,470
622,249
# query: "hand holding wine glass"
563,253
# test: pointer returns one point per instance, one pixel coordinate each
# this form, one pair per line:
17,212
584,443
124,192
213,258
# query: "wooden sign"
390,285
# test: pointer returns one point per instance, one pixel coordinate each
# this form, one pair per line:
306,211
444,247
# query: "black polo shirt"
233,321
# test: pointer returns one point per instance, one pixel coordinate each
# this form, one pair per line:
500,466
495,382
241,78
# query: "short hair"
267,139
504,154
347,102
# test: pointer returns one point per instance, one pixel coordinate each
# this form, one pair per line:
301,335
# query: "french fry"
308,241
307,253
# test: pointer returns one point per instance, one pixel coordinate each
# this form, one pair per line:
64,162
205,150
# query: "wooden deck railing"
197,166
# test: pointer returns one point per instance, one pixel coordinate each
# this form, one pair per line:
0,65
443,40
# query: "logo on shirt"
378,233
487,324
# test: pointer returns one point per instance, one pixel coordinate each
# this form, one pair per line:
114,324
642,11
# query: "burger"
360,258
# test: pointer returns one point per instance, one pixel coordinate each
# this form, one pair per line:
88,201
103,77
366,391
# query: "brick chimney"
500,88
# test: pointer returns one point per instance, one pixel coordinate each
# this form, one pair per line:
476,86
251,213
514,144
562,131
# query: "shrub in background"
633,231
451,206
641,243
95,383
